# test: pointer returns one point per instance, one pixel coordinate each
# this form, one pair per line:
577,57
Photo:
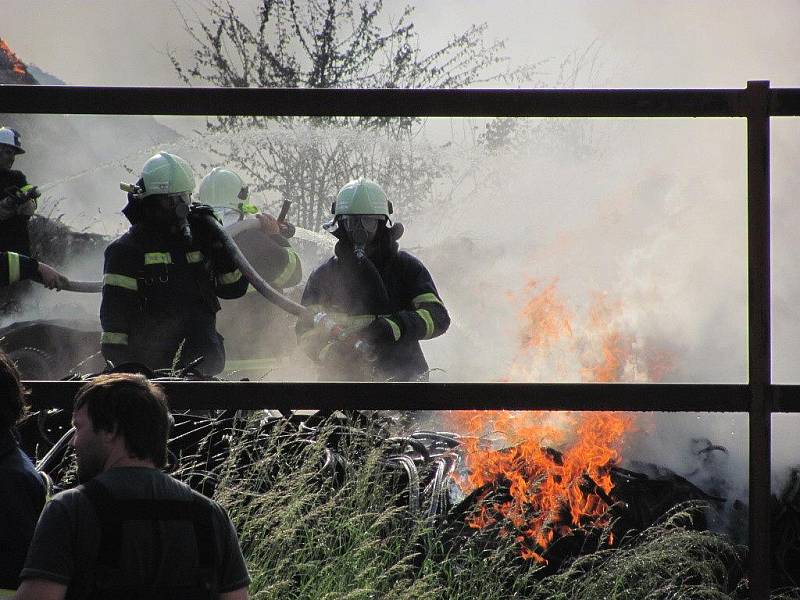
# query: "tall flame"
556,466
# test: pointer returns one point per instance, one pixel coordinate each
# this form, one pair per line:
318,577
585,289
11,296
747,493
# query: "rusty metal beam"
430,396
376,102
759,351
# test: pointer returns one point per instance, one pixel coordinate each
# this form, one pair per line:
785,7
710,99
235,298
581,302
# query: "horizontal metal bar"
786,398
784,102
371,102
429,396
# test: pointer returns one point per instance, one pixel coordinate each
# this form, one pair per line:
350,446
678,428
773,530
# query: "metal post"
758,238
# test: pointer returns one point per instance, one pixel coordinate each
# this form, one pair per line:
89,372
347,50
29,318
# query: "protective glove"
378,332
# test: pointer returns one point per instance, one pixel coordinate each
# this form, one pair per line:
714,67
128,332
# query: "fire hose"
82,287
320,319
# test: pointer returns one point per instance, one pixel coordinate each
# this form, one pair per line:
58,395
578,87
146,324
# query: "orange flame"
555,466
17,66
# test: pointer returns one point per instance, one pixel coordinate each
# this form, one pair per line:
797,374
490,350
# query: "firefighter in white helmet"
264,240
162,279
379,293
17,198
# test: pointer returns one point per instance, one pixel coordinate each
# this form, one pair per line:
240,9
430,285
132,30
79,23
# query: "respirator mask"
173,210
361,230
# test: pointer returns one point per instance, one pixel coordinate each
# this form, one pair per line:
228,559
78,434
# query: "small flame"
544,473
17,66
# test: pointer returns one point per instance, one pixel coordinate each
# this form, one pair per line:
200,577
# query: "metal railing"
757,103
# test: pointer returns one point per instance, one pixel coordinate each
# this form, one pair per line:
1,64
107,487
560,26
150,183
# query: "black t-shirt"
67,537
22,495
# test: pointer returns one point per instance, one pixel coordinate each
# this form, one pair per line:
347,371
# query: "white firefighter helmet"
10,137
167,173
360,197
224,190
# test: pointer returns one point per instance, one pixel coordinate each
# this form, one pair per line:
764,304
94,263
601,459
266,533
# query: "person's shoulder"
15,177
325,267
408,260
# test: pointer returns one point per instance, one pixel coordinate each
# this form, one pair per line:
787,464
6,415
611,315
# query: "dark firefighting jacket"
16,267
160,302
14,230
404,297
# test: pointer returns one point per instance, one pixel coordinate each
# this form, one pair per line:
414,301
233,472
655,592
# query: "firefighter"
264,240
18,199
16,267
130,530
378,293
22,488
163,277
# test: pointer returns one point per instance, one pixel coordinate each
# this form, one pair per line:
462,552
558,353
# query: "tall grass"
314,532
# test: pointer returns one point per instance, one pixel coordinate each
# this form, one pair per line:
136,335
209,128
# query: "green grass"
305,537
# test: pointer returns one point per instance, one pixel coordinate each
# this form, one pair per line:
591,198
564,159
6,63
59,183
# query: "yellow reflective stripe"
426,316
7,593
157,258
26,188
111,337
250,364
429,298
287,273
228,278
13,267
395,328
123,281
194,257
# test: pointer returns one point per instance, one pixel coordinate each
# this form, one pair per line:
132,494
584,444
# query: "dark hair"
132,406
12,393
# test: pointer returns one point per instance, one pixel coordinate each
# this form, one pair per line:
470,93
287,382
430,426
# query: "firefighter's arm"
40,589
16,267
428,318
279,264
228,282
120,300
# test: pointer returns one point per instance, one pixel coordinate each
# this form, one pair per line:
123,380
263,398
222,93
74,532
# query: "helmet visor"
366,223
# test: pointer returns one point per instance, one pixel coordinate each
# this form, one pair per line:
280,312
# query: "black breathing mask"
361,230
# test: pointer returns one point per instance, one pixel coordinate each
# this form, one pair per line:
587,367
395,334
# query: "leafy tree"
330,44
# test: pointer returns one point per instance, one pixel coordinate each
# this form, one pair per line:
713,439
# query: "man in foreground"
130,531
22,488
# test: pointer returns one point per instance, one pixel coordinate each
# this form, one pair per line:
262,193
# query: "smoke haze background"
651,213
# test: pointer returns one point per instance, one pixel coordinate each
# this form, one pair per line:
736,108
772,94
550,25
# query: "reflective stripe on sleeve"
228,278
112,337
426,317
123,281
13,267
395,328
194,257
157,258
287,273
429,298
